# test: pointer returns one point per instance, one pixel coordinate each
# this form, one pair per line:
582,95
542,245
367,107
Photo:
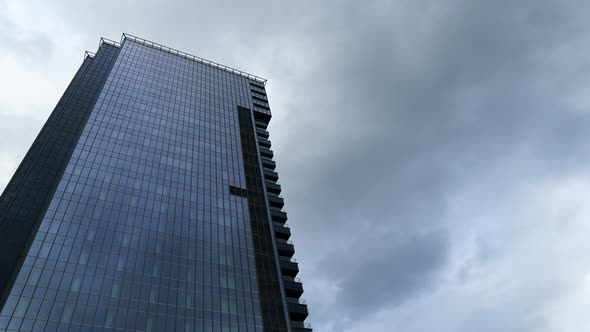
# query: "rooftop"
170,50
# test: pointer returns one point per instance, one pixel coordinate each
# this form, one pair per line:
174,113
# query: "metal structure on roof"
127,36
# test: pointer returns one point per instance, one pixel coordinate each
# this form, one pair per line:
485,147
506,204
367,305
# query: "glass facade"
143,233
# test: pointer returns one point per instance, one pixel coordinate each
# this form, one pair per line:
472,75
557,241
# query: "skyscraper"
149,201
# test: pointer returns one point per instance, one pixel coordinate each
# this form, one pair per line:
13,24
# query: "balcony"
293,287
275,200
285,248
260,104
257,85
259,93
262,133
270,175
273,187
260,98
282,231
262,124
278,215
300,327
266,152
262,114
297,309
289,267
264,142
268,163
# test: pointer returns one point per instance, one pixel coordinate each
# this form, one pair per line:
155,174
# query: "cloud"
388,270
406,117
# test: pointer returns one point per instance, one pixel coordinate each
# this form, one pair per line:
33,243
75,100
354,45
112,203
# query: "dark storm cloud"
389,269
416,107
423,114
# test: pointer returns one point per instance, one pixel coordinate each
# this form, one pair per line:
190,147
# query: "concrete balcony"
268,163
275,200
289,267
285,248
273,187
278,215
282,231
264,142
297,309
262,133
293,287
264,152
300,327
270,175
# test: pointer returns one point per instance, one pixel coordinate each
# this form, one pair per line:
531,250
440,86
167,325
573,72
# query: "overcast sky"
433,154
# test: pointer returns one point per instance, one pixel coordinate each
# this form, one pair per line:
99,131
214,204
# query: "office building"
149,201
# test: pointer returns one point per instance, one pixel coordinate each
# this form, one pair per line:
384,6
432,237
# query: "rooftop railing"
170,50
191,57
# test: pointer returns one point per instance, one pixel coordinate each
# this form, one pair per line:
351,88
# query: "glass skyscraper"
149,202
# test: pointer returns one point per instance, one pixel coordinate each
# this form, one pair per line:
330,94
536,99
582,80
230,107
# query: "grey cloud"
409,130
421,131
388,270
22,42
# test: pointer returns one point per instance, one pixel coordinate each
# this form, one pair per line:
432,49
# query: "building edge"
291,287
25,199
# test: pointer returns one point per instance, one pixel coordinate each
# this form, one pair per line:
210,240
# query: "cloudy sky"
433,153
